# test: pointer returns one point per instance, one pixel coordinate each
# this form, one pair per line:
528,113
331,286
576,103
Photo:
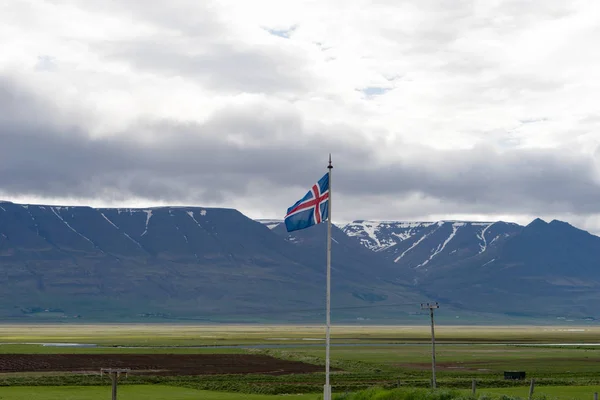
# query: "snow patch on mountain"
442,246
415,244
108,220
69,226
481,236
418,244
489,262
148,216
376,235
119,229
370,229
270,223
191,214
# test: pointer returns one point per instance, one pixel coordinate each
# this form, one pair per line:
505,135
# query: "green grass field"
133,392
375,359
543,393
551,392
477,359
160,392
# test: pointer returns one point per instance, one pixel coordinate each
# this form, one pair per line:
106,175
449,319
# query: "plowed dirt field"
155,364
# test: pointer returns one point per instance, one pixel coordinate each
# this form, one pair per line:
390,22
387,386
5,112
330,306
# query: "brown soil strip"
155,364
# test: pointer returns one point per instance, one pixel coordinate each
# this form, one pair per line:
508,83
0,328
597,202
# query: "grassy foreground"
557,392
160,392
553,393
133,392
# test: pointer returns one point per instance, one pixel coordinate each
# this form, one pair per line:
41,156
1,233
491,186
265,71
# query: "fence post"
531,387
595,395
114,374
474,386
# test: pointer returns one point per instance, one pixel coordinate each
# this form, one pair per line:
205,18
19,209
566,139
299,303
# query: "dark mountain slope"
545,269
354,265
178,261
217,264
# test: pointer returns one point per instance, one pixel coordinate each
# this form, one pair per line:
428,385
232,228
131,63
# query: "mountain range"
214,264
543,269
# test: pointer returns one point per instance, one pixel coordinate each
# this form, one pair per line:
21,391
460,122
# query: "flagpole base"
327,392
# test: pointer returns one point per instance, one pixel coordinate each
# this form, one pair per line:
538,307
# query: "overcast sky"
432,110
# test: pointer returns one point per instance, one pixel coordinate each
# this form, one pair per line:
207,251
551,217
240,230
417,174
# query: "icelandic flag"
312,209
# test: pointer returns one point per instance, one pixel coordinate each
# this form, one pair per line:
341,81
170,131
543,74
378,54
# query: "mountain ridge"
178,261
207,263
538,269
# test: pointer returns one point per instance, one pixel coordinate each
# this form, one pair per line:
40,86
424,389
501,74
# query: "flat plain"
195,335
362,356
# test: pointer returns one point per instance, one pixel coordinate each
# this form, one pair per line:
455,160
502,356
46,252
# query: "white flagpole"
327,389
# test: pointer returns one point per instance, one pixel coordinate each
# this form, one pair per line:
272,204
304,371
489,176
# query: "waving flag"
312,209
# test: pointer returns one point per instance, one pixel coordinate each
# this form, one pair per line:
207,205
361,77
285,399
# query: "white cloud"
430,89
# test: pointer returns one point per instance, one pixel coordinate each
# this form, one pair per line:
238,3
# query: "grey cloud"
221,65
190,18
443,24
517,82
591,119
533,120
485,180
200,163
184,162
194,41
45,63
524,11
438,41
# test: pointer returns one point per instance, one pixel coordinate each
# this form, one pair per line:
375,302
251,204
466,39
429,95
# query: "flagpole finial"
330,166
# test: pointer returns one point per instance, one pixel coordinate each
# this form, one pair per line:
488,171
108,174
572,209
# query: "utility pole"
431,307
114,374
